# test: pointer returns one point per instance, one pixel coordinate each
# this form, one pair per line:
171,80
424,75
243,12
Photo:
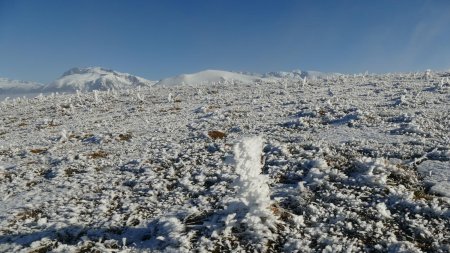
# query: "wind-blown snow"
96,78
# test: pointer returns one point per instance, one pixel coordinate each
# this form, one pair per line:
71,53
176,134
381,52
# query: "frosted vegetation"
284,163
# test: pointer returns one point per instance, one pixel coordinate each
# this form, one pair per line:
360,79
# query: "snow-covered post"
139,97
427,74
303,81
248,157
79,96
96,99
251,206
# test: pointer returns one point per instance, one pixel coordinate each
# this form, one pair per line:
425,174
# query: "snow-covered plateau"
279,163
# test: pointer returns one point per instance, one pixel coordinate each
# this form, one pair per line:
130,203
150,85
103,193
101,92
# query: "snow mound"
208,77
95,78
9,86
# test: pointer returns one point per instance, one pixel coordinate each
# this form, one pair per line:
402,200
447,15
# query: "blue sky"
39,40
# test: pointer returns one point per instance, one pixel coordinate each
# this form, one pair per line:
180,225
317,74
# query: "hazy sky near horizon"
39,40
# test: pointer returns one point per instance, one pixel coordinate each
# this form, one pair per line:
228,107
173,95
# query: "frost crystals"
250,209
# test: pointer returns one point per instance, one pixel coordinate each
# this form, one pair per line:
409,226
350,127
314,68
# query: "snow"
10,86
299,74
437,174
335,164
208,77
95,78
81,79
214,77
251,206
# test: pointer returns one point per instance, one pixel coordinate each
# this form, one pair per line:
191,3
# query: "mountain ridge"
95,78
12,86
99,78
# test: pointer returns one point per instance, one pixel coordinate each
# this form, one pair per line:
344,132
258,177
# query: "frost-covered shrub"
372,171
249,211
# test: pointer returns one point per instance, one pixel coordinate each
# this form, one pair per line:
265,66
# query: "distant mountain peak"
85,70
297,73
207,77
95,78
211,76
11,86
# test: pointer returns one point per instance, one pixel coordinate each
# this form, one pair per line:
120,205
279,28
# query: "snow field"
344,167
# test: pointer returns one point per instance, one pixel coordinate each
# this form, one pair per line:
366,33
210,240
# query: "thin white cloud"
423,44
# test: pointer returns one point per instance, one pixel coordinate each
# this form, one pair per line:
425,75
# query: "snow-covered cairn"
249,211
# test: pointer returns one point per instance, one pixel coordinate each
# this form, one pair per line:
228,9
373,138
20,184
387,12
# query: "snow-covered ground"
333,164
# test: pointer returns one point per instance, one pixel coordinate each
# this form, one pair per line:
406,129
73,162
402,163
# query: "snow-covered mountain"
95,78
10,86
208,77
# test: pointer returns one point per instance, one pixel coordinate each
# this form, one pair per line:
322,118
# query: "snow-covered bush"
249,210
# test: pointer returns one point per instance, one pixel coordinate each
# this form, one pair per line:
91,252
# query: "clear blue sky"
39,40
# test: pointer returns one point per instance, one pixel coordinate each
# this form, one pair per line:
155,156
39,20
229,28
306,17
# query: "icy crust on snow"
172,169
95,78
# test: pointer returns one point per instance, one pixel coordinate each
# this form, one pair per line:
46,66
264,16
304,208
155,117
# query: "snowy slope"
95,78
9,86
341,164
208,77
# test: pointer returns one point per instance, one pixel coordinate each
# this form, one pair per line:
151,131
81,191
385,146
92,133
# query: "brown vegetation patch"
72,171
29,214
125,137
216,134
171,109
32,183
38,151
280,212
7,176
175,108
53,124
422,195
98,154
